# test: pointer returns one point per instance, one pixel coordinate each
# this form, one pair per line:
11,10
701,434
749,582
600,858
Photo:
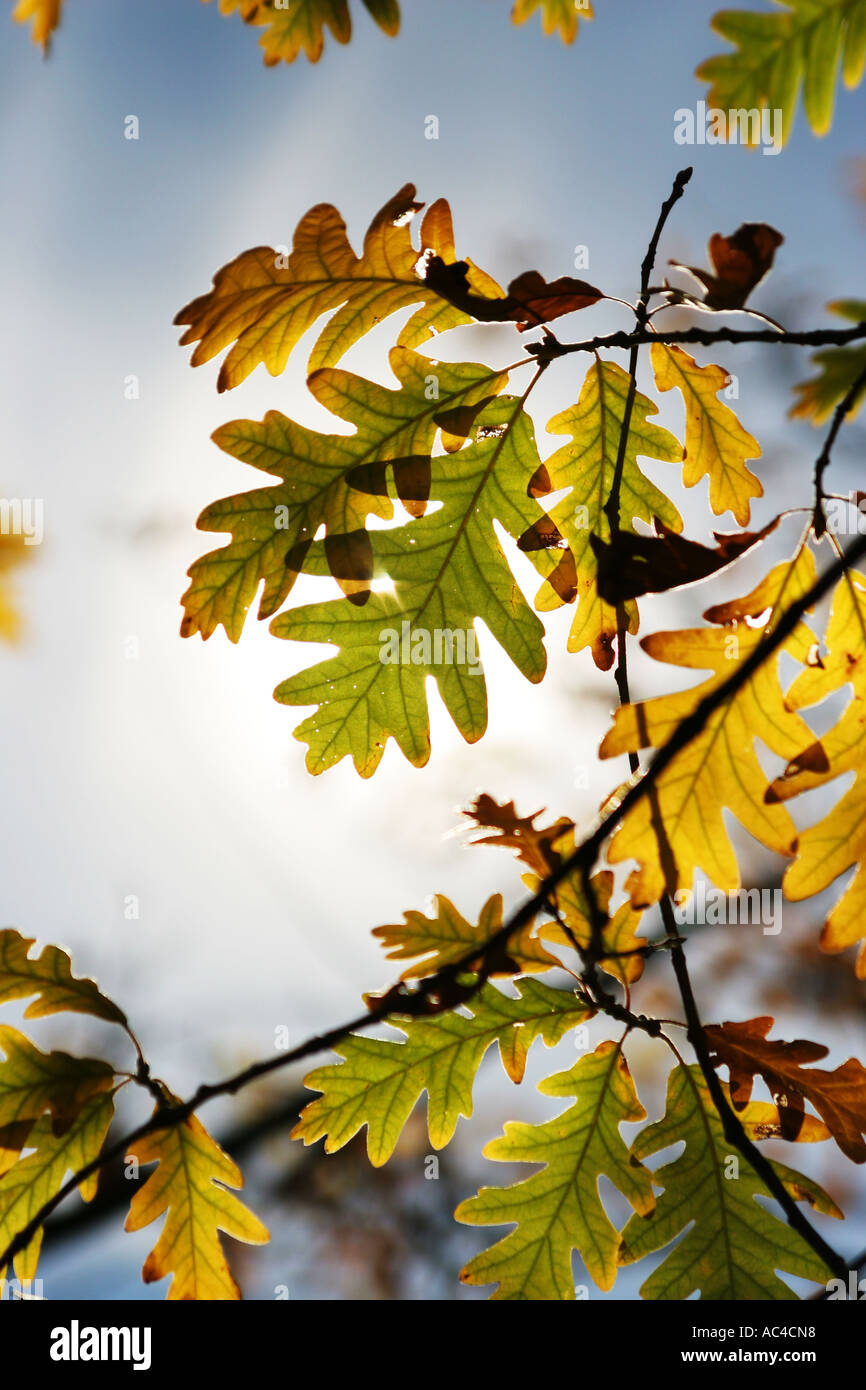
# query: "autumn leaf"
379,1081
298,26
534,845
542,848
761,1120
717,445
43,15
838,841
529,302
445,937
190,1186
333,481
839,1096
556,15
732,1245
34,1180
49,976
585,465
263,302
444,570
778,53
739,263
719,769
32,1081
630,565
559,1210
838,369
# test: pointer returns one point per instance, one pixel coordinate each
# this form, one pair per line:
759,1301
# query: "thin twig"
820,519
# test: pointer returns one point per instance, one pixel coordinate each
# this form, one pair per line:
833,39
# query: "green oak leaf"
558,1210
732,1245
379,1081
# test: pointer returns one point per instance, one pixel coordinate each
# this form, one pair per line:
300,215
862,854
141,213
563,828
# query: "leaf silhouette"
446,937
717,446
778,53
838,369
444,570
732,1245
263,302
630,565
48,976
739,263
558,1210
190,1187
530,301
838,841
585,465
333,481
719,768
379,1081
839,1096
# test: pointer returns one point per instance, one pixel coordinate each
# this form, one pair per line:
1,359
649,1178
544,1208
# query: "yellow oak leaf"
838,841
717,446
586,466
680,826
264,301
191,1185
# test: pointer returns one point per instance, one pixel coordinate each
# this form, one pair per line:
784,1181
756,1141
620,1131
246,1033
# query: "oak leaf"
778,53
32,1081
263,302
49,977
731,1245
28,1184
542,848
558,1210
333,481
379,1081
190,1187
680,826
717,445
529,302
445,937
839,1096
838,841
739,261
556,15
440,572
586,465
630,565
838,369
